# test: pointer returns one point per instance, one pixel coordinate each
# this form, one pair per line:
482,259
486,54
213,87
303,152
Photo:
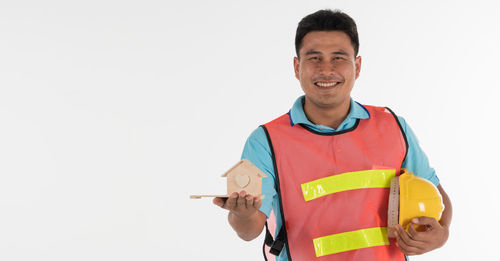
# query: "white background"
113,112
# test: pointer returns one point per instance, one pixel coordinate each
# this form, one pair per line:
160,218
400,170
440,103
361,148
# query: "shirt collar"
297,114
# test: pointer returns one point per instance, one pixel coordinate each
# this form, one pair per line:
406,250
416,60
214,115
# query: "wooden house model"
242,176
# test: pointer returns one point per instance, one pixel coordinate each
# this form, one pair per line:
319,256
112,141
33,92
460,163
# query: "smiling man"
327,140
327,68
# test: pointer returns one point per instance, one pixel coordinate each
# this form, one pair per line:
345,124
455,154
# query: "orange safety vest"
334,187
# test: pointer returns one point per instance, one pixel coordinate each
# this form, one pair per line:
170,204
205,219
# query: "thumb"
218,201
425,221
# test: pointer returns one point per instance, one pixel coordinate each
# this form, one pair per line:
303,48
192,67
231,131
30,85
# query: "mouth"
326,85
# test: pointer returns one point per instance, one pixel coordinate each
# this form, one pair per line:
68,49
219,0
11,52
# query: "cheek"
307,72
348,71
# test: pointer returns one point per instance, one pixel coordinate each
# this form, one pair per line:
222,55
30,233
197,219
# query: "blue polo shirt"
258,152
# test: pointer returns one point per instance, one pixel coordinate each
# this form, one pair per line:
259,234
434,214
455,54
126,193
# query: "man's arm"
244,215
448,210
247,215
435,236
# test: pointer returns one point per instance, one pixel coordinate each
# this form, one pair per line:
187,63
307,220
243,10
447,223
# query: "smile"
326,84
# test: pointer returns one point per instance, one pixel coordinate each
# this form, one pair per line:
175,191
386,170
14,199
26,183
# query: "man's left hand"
416,242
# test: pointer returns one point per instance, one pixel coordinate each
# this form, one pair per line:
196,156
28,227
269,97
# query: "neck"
331,116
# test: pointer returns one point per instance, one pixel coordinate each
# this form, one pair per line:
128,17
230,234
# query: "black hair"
327,20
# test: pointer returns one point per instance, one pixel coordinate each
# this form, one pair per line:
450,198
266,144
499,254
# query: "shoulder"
284,119
258,136
402,122
386,110
257,147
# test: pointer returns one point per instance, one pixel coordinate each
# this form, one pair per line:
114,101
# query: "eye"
314,58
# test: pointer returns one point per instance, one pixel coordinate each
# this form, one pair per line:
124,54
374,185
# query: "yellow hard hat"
412,196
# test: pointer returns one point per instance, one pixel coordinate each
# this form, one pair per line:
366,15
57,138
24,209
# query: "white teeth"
322,84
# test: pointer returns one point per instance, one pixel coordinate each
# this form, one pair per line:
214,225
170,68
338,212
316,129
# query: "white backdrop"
113,112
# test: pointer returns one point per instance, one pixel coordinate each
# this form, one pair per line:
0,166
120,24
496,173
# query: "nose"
326,67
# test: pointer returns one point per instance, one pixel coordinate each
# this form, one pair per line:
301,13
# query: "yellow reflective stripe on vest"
346,241
375,178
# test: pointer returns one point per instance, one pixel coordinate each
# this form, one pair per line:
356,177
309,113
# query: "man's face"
327,68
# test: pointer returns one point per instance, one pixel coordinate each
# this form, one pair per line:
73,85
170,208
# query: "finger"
400,234
219,201
257,202
425,221
249,201
404,247
406,240
418,236
241,202
231,201
406,252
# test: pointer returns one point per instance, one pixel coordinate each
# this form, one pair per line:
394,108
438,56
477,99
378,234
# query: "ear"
296,65
357,63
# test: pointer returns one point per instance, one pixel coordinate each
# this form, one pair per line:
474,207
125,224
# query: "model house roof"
244,166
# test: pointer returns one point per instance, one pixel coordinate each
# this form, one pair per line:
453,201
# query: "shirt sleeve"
257,151
416,161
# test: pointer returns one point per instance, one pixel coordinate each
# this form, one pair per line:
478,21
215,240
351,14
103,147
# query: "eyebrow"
339,52
311,52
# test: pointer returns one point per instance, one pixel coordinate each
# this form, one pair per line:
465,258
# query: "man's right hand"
244,215
241,205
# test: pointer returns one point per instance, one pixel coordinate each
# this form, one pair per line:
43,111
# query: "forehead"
326,41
